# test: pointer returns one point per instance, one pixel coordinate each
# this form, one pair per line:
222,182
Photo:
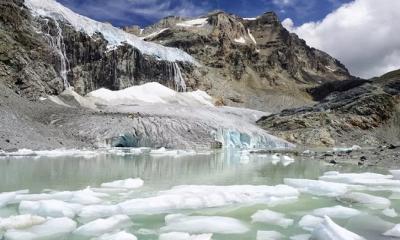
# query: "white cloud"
283,3
363,34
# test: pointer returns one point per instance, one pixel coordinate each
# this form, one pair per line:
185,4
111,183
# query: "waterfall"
57,43
180,85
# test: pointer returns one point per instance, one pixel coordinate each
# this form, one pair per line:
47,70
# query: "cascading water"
180,85
57,43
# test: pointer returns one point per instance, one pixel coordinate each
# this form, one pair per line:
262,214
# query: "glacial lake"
163,171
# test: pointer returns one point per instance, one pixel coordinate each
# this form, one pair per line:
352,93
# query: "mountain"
362,112
254,62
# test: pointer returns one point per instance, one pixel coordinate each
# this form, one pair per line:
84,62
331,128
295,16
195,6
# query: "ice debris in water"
102,226
371,201
117,236
53,228
369,179
336,212
271,217
20,221
184,236
389,212
50,208
395,174
113,35
321,188
204,224
6,198
301,237
393,232
309,222
269,235
329,230
130,183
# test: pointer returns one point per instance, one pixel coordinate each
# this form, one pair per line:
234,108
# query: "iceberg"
328,230
6,198
393,232
310,222
269,235
271,217
50,208
390,212
20,221
117,236
102,226
205,224
336,212
54,228
184,236
130,183
203,196
371,201
321,188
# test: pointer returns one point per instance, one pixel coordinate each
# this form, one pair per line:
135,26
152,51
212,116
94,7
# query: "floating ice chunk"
202,196
54,228
98,211
184,236
130,183
320,188
371,179
286,160
368,200
395,174
328,230
87,197
309,222
389,212
117,236
6,198
50,208
269,235
301,237
344,149
102,226
271,217
205,224
20,221
393,232
336,212
62,196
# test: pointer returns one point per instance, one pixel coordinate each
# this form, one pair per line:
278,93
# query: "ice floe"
389,212
336,212
301,237
321,188
205,224
102,226
371,201
329,230
130,183
6,198
269,235
310,222
54,228
20,221
184,236
370,179
117,236
271,217
393,232
50,208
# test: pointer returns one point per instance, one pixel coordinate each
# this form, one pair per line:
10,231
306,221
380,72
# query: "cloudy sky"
363,34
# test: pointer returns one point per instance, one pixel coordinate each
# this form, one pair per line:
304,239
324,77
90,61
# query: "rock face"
361,112
246,61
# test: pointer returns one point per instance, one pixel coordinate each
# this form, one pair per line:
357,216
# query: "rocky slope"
350,112
255,63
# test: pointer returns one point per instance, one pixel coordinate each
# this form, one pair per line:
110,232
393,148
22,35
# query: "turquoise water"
162,172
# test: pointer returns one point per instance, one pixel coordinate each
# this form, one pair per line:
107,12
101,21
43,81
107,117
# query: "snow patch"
199,22
240,40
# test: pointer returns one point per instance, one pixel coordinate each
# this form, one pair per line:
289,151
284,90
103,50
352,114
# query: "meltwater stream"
223,194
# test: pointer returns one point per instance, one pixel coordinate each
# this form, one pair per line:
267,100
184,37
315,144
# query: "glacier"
114,36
